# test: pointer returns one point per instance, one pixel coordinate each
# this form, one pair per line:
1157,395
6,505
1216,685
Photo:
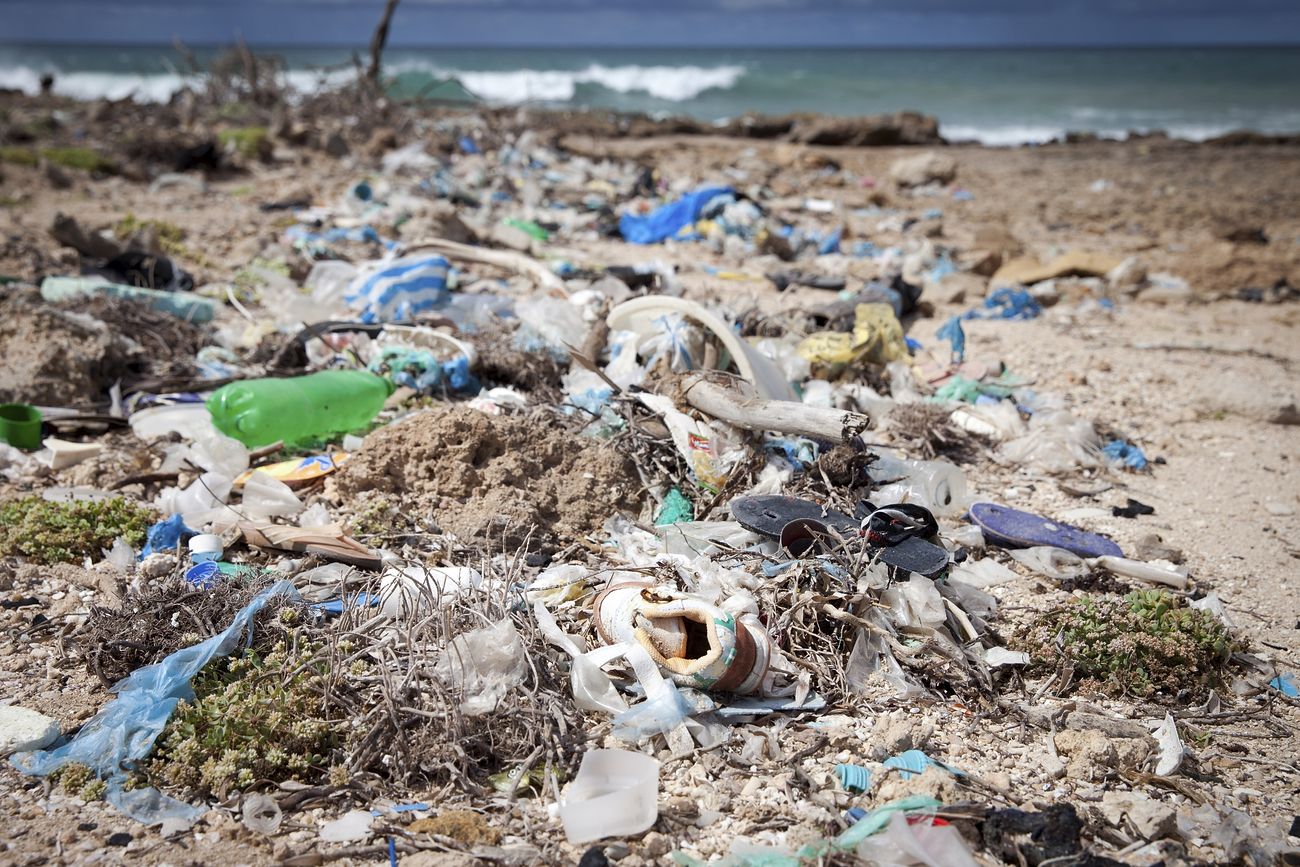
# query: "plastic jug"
258,412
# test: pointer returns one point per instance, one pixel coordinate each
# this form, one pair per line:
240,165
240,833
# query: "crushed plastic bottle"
258,412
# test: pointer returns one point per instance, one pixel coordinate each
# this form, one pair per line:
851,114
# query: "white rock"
22,730
1150,818
924,168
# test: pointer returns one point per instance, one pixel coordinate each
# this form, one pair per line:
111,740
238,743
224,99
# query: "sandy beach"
1174,326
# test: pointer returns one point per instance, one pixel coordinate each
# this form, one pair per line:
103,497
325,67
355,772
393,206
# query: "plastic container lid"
203,575
206,546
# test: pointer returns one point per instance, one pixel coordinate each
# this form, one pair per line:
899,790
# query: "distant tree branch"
378,40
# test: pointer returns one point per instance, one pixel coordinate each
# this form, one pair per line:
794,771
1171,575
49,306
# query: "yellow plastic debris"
877,337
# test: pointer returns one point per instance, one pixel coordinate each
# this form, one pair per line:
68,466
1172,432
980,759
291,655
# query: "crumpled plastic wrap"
1057,442
485,664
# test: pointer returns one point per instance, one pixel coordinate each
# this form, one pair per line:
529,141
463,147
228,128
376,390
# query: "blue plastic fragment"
913,345
1285,684
1006,303
392,851
952,332
943,266
123,732
855,815
467,145
338,606
915,762
854,778
1125,453
831,243
166,535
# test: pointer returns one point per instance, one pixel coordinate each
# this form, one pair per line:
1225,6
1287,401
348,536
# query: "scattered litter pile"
532,506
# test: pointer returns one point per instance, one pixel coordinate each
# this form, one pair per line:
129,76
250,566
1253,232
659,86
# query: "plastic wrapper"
558,584
124,730
484,664
1057,442
1055,563
267,497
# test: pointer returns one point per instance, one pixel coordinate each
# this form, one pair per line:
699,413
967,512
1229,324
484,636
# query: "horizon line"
362,48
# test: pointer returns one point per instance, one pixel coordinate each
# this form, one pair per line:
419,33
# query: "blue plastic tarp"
667,220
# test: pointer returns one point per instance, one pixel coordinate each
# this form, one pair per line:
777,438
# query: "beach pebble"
22,730
923,168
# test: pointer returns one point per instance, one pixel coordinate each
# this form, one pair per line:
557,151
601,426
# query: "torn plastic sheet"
932,842
871,653
696,442
124,730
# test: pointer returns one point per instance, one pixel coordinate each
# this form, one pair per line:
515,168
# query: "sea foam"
669,83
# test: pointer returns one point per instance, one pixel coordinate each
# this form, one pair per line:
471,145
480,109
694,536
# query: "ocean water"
996,96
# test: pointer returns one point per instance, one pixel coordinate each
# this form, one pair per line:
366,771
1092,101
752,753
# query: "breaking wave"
145,87
669,83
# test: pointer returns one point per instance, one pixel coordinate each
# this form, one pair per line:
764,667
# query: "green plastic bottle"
258,412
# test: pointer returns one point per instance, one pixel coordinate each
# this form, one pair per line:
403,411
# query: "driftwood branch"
378,40
737,404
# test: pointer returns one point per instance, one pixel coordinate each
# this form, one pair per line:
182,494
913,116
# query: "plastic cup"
205,547
20,425
615,794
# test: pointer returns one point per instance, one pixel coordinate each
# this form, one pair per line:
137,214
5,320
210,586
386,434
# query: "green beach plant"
1147,642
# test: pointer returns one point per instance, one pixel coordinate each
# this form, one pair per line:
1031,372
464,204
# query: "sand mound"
72,354
482,476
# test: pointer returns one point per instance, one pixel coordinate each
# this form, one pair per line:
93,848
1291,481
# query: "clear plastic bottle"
258,412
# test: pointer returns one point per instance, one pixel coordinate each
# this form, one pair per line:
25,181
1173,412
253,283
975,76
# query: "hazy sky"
661,23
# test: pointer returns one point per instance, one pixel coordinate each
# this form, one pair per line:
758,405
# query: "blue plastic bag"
400,288
1006,303
667,220
1126,454
952,332
124,730
165,536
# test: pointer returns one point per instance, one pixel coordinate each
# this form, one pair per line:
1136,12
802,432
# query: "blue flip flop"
1011,528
